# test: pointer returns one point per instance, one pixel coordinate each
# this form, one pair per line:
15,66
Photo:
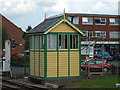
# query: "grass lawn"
108,81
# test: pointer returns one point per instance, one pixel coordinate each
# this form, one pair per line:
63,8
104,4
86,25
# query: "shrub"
21,62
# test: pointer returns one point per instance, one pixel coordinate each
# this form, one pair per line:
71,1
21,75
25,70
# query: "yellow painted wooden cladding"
31,63
52,64
41,64
63,64
63,27
37,67
74,63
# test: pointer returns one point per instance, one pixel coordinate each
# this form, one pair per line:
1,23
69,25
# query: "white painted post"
6,63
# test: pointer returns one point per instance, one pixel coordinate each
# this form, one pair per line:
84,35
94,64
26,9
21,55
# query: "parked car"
18,55
96,63
103,55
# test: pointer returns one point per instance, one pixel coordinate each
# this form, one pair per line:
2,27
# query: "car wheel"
105,69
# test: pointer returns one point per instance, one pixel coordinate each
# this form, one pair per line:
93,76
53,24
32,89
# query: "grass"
108,81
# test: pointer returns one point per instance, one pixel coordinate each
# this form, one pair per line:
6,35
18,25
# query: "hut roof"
48,23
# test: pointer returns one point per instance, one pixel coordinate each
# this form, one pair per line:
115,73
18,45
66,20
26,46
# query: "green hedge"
21,62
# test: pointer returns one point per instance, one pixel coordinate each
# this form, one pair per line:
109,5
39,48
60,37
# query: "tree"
26,37
28,28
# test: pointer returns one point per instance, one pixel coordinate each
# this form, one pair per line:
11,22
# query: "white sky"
31,12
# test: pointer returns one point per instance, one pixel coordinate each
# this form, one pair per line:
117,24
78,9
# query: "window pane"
63,41
87,20
41,42
114,34
69,18
89,34
32,42
52,40
100,21
36,42
114,21
73,41
100,34
76,20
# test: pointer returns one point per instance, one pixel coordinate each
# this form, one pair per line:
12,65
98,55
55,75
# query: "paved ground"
19,71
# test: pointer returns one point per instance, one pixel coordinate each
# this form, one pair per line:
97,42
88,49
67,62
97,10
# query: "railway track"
11,85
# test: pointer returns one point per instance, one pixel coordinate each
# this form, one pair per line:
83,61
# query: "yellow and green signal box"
55,49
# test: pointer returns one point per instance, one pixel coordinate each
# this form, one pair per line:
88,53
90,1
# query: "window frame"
83,23
100,34
75,20
114,34
100,21
114,23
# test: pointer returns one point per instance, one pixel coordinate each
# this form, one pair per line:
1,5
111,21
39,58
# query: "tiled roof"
45,24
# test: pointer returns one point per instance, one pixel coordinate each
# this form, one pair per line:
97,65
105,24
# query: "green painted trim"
68,54
53,50
63,33
39,54
57,55
45,56
54,77
80,55
37,50
34,55
53,25
29,57
38,33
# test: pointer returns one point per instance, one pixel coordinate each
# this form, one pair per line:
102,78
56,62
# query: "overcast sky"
31,12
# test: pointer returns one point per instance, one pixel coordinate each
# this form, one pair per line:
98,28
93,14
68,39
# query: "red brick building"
102,32
14,33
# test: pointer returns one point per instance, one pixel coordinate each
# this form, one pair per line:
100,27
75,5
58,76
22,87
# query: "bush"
21,62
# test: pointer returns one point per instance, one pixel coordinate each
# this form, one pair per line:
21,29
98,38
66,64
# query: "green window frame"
63,41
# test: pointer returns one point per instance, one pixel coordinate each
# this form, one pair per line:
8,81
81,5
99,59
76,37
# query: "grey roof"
46,24
91,14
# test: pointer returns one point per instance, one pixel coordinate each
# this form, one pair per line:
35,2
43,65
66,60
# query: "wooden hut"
55,49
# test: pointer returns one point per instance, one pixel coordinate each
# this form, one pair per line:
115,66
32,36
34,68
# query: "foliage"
26,37
28,28
21,62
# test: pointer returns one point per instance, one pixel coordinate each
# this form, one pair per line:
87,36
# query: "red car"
17,55
96,64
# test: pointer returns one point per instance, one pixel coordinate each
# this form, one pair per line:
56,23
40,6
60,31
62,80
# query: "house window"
100,34
114,34
69,18
89,33
113,21
63,41
76,20
87,20
52,41
100,21
73,19
73,41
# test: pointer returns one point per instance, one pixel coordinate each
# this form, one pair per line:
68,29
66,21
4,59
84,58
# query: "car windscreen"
20,54
99,62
